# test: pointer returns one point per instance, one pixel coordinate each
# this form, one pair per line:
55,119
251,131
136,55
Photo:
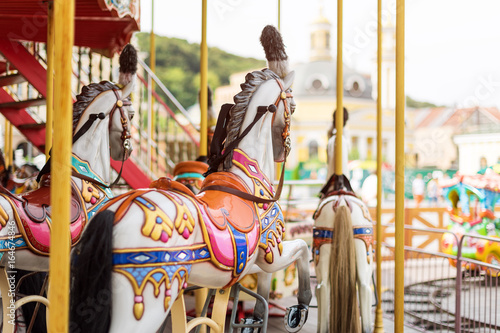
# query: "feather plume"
272,42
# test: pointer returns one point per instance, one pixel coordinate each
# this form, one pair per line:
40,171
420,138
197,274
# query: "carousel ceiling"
103,25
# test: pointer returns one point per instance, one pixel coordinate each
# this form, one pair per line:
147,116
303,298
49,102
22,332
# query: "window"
313,149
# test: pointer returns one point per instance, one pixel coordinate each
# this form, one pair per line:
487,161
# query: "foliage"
353,154
178,66
411,103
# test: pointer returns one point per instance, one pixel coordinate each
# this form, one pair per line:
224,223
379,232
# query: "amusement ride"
126,260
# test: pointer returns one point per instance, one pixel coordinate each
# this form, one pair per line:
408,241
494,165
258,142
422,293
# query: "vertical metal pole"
152,65
50,80
339,117
201,294
279,14
60,189
8,143
379,322
203,81
458,288
150,127
400,168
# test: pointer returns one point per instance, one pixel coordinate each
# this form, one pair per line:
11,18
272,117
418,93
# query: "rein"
92,118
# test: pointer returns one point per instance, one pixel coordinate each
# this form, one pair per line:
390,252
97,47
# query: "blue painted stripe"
241,249
160,257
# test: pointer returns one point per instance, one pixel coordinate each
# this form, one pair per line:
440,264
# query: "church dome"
319,78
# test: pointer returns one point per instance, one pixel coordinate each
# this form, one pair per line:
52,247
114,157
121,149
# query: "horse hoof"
296,317
251,321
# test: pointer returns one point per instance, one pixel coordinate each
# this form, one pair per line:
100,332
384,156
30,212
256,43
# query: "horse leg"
261,309
293,251
323,288
364,274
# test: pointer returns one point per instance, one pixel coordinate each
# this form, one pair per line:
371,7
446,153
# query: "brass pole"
50,80
339,117
279,14
379,321
203,81
60,188
400,169
8,143
152,65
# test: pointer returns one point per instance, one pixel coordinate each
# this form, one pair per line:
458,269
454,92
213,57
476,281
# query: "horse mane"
86,97
237,114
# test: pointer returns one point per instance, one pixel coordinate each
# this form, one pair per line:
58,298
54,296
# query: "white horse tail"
92,263
344,314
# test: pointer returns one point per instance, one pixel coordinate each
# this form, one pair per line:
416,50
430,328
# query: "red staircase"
29,69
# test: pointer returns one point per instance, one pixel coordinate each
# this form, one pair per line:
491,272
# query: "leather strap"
238,193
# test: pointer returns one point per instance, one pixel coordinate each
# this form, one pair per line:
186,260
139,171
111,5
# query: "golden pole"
339,117
279,14
379,321
60,189
50,80
8,143
201,294
152,66
203,81
400,168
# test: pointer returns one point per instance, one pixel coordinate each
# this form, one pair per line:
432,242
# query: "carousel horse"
24,178
342,254
144,246
101,127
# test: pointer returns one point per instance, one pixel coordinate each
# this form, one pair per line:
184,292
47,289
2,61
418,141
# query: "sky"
452,47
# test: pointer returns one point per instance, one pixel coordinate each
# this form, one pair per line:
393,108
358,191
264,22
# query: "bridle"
127,146
284,95
125,136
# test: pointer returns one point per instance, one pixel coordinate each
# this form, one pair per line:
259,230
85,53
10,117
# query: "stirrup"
248,325
296,317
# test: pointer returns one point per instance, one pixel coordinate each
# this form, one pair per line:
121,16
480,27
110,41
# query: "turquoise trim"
83,168
189,175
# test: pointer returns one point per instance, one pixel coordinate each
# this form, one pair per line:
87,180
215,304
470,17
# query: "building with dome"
314,91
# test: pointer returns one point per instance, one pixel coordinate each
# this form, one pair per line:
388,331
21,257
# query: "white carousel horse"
147,244
101,118
342,253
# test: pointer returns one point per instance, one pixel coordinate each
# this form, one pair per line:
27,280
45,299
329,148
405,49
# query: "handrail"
166,91
169,111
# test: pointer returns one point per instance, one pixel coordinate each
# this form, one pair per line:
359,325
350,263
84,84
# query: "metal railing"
157,148
444,292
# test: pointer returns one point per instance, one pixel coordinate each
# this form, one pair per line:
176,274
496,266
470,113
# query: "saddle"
32,213
241,214
231,228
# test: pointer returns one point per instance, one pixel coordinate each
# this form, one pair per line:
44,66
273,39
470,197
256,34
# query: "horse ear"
288,80
129,87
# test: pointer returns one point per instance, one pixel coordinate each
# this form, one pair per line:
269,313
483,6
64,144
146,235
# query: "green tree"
178,66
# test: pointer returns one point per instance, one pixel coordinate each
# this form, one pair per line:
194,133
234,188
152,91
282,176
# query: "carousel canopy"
103,25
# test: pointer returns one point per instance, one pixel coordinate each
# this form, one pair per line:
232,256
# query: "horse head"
259,121
101,118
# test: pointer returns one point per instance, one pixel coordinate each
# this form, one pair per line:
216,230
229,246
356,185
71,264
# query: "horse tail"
92,263
344,314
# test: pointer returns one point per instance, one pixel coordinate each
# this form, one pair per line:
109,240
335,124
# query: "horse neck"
257,146
93,148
